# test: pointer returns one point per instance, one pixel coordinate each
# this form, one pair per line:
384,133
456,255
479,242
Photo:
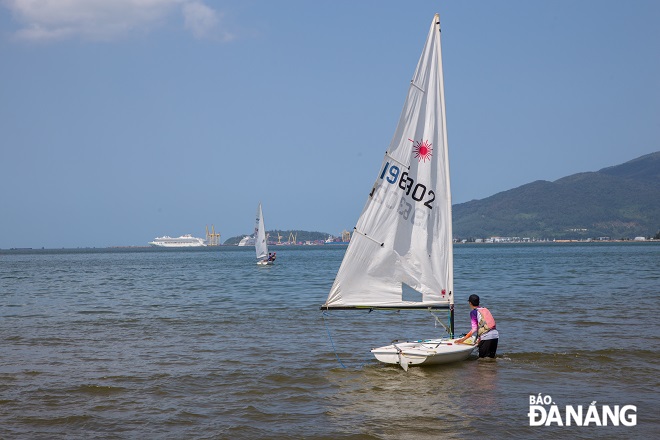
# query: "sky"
126,120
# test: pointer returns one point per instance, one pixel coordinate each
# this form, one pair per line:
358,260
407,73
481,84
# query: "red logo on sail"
422,150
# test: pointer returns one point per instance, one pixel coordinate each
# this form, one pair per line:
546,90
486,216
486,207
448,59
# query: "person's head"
474,300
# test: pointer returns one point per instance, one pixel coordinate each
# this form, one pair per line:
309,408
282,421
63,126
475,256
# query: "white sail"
404,234
260,235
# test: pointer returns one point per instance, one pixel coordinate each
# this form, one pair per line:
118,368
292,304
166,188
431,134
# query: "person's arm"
475,326
459,341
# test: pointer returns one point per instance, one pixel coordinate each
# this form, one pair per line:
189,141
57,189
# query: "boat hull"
265,263
427,352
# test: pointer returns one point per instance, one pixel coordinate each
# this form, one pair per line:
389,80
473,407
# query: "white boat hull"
427,352
265,263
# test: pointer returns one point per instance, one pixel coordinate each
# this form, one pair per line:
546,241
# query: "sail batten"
417,87
379,243
404,164
408,209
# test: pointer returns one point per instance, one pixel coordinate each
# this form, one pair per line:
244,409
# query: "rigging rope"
437,321
324,314
331,341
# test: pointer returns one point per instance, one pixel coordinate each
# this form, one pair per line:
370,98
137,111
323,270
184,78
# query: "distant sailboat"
403,238
264,258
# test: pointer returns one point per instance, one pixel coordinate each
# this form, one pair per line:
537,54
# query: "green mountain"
622,201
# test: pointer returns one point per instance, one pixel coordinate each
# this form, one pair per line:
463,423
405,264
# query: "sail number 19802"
418,192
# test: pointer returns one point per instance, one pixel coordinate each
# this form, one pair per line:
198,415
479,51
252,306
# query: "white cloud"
46,20
199,19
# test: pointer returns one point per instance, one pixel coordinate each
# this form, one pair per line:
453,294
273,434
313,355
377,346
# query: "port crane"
212,238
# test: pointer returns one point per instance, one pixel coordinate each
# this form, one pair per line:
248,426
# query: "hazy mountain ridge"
621,201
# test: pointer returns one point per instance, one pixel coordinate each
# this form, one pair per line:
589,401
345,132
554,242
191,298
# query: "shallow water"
155,343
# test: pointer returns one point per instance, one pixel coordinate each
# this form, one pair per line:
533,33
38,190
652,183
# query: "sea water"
203,343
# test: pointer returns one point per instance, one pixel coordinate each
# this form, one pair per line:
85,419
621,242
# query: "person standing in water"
483,327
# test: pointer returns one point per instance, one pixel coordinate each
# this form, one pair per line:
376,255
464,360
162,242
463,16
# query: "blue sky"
126,120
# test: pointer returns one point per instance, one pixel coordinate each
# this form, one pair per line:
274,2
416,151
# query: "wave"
97,390
610,361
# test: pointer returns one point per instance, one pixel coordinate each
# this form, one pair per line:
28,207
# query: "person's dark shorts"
488,348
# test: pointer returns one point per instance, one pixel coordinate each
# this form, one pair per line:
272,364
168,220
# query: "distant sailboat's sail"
260,235
404,234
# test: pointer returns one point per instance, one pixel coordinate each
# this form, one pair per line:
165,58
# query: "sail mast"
441,91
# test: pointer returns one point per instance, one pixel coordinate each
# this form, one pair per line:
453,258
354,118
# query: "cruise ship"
247,241
183,241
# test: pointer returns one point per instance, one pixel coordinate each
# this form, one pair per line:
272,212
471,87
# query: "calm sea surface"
174,344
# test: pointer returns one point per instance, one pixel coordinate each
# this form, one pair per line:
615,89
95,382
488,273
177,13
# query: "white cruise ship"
183,241
247,241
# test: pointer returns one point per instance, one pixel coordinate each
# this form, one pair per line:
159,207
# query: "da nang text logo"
544,412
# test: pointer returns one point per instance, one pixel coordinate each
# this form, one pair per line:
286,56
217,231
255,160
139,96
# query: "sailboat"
261,246
403,238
